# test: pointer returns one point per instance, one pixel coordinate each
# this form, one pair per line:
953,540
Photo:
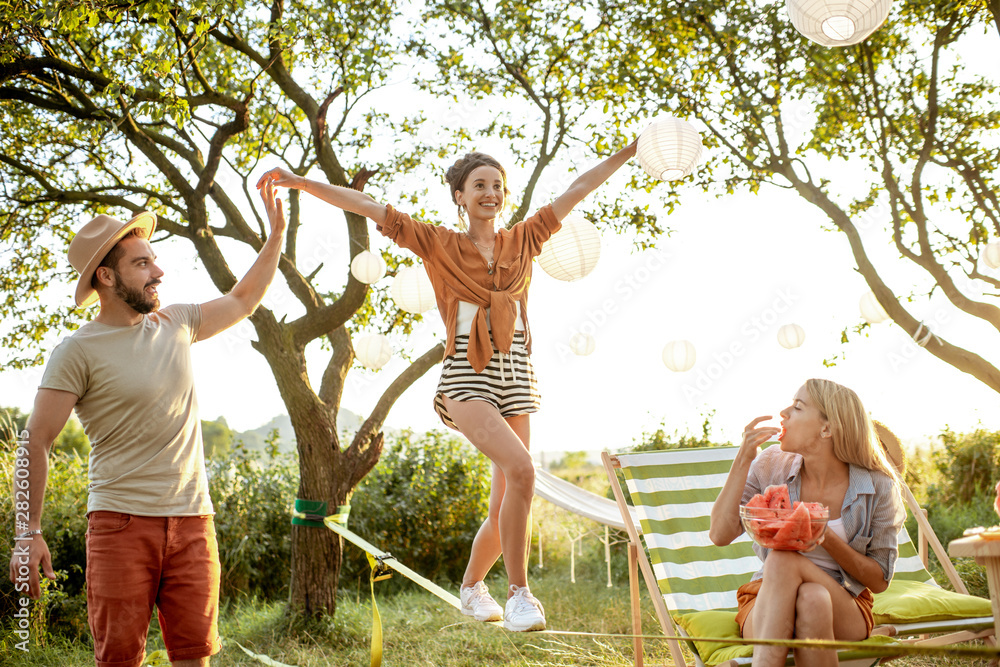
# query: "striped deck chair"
693,583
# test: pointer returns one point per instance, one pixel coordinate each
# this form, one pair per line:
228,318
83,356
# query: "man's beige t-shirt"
138,407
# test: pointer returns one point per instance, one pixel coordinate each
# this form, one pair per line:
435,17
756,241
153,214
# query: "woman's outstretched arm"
590,181
345,198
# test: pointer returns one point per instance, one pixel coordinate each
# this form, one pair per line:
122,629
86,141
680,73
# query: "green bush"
949,521
660,439
968,466
71,439
423,503
253,493
62,608
955,483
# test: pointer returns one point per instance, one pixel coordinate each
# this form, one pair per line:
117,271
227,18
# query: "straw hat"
890,443
94,241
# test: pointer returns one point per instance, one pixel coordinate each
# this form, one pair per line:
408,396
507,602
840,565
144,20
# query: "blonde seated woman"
829,454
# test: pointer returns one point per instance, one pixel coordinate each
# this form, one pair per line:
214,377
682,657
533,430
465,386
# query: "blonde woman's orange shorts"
746,597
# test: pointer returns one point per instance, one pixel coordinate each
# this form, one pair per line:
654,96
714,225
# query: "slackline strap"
312,513
156,659
380,562
390,561
260,657
378,573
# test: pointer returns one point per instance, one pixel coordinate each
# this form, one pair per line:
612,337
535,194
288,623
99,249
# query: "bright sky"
735,270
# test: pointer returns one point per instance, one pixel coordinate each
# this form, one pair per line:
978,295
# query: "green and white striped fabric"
673,492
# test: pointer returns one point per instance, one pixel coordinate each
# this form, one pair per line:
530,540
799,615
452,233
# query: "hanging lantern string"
358,243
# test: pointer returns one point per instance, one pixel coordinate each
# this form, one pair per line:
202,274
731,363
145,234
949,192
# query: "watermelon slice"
796,528
766,530
796,545
777,497
816,510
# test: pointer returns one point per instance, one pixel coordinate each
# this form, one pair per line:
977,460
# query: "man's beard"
136,299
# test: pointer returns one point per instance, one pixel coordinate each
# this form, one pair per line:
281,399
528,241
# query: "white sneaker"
476,602
523,612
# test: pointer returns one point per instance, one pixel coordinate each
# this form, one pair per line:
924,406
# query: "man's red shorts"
134,562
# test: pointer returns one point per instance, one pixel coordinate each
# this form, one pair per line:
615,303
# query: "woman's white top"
819,555
467,311
463,327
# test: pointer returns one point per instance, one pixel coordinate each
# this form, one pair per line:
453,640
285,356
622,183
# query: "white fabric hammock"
580,501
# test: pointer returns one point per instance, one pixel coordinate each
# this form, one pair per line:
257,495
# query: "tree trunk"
316,550
316,556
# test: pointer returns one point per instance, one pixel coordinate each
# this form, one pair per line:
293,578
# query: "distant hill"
348,424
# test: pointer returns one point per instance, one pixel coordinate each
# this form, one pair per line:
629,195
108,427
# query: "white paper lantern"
871,310
412,290
837,22
991,255
573,251
669,148
373,351
368,267
791,336
679,355
582,344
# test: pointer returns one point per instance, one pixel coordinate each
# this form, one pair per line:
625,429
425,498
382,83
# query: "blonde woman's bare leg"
797,599
491,434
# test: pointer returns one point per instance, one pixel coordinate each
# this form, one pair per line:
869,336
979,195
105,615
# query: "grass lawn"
421,630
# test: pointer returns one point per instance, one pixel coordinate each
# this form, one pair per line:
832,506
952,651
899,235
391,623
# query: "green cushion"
914,602
721,624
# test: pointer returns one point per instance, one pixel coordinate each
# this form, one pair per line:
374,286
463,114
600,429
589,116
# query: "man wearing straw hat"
150,536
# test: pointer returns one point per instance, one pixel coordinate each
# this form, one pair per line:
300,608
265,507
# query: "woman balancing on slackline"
487,388
830,454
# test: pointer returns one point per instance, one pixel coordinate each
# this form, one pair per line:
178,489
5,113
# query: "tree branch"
99,82
317,323
365,449
994,6
331,388
961,359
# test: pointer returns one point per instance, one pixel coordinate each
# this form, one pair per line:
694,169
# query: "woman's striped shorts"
508,382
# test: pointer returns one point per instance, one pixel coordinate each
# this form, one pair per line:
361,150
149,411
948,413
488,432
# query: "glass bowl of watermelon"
773,521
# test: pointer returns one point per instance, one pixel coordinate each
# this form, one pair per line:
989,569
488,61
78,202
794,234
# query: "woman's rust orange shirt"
459,272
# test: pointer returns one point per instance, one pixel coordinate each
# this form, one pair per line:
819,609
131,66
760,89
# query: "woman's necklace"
478,244
485,251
